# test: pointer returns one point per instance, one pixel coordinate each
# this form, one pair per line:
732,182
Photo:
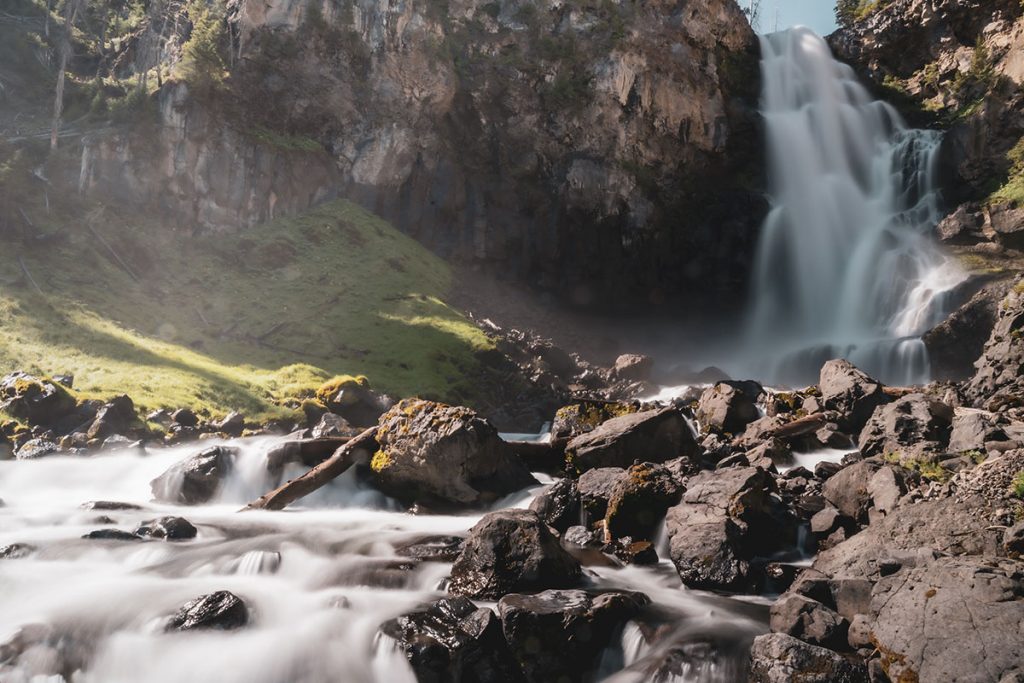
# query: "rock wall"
606,151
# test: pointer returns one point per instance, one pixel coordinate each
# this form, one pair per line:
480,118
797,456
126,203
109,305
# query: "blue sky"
818,14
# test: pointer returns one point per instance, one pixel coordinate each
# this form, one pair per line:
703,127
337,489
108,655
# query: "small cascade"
846,266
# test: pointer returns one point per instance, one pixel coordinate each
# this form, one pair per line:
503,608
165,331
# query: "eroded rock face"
959,340
442,455
511,551
911,425
779,658
999,378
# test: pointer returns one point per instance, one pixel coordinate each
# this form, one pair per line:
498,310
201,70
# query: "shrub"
203,61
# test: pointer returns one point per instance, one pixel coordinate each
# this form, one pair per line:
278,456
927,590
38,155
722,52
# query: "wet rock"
222,611
846,389
37,448
847,490
910,426
452,640
444,455
233,424
954,344
633,367
728,407
111,535
595,489
432,548
305,452
185,417
331,425
16,551
810,621
954,619
629,551
561,635
558,505
654,435
581,537
109,505
114,418
196,479
639,500
999,377
779,658
585,416
169,528
37,401
510,551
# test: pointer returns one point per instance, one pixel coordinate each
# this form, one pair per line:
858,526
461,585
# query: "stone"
955,343
561,635
232,424
825,469
559,504
16,551
444,456
654,436
222,611
185,417
114,418
886,487
973,429
330,425
909,426
168,528
780,658
196,479
639,500
581,537
37,448
728,407
432,548
629,551
511,551
453,640
37,401
847,490
110,535
999,376
595,489
633,367
859,634
585,416
1007,221
810,621
353,399
1013,539
846,389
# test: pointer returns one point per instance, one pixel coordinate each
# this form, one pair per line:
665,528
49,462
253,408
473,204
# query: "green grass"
251,322
1017,487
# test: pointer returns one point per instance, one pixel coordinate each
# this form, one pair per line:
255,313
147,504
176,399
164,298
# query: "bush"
203,61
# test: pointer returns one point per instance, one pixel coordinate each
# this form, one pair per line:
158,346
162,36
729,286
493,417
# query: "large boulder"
585,416
37,401
654,435
595,489
908,427
196,479
639,500
728,407
562,635
444,456
847,490
115,417
222,611
959,340
809,620
559,505
780,658
353,399
999,377
972,430
846,389
511,551
452,640
955,619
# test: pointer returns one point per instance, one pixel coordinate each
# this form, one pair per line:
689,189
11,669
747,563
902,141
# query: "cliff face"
590,148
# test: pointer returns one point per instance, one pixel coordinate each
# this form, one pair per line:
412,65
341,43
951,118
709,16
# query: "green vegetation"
849,12
1012,190
202,62
1017,487
929,468
253,322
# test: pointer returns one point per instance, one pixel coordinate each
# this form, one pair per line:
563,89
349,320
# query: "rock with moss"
352,399
35,400
585,416
444,456
728,407
654,435
781,658
639,501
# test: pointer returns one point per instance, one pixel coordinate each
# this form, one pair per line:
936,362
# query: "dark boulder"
728,407
37,401
221,611
562,635
1007,221
958,341
585,416
453,641
908,427
846,389
633,367
111,535
595,489
558,505
169,528
233,424
639,500
779,658
115,417
445,456
654,435
999,377
511,551
196,479
185,418
810,621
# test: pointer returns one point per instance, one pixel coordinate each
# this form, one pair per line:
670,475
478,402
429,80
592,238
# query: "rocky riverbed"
847,531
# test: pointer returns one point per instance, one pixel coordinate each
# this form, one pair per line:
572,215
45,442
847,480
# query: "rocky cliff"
601,150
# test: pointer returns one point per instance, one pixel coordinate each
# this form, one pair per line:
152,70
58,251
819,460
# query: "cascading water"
846,265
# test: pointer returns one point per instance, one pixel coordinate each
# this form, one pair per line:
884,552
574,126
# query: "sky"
817,14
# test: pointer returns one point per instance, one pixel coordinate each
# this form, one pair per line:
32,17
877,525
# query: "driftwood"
538,456
802,426
329,469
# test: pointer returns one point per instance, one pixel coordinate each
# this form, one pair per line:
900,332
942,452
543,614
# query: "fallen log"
329,469
802,426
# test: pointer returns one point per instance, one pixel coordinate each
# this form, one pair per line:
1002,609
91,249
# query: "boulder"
963,226
585,416
196,479
37,401
1013,540
440,455
185,418
846,389
36,448
973,429
810,621
114,418
886,487
111,535
908,427
1007,221
16,551
998,380
222,611
168,528
595,489
779,658
633,367
639,500
728,407
431,548
559,505
654,435
561,635
511,551
847,490
353,399
959,340
233,424
452,640
330,425
954,619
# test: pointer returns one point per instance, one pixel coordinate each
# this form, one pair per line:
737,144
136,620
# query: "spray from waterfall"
846,266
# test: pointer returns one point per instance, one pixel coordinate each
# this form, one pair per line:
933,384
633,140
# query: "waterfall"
846,266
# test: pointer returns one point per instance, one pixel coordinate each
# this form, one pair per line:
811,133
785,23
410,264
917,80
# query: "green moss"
1017,487
327,391
380,461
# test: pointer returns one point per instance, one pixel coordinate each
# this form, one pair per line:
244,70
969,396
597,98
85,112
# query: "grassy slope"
222,322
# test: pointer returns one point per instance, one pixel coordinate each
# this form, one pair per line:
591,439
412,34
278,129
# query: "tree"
203,60
753,12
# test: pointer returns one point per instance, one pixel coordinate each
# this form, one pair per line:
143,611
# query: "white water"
846,266
319,580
